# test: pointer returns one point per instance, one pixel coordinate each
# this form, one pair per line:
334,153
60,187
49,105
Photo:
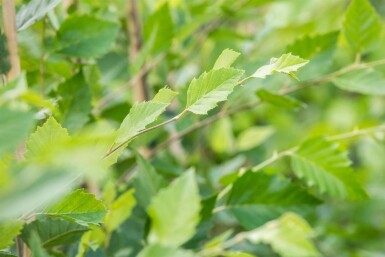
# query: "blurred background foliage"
78,67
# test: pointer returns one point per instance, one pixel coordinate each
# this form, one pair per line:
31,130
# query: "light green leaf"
287,64
33,11
119,211
366,81
79,206
14,128
253,137
45,137
174,223
210,88
92,239
54,232
256,198
9,230
140,115
165,95
283,101
322,165
226,59
221,136
162,251
237,254
75,102
147,182
86,36
36,247
362,25
289,236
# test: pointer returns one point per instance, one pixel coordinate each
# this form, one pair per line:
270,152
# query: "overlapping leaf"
256,198
283,101
80,207
362,25
322,165
366,81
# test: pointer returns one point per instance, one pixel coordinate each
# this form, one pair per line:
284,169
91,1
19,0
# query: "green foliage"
174,223
9,230
86,36
211,164
205,92
287,63
362,25
80,207
322,165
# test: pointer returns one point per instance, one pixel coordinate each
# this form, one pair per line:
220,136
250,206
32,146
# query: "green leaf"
289,236
321,164
53,232
140,115
256,198
33,11
308,46
226,59
237,254
221,136
368,81
46,136
174,223
36,247
9,230
210,88
15,126
287,64
165,95
79,206
162,251
283,101
362,25
253,137
5,254
75,102
160,27
92,239
147,182
86,36
119,211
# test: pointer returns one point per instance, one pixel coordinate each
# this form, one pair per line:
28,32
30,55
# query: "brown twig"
9,21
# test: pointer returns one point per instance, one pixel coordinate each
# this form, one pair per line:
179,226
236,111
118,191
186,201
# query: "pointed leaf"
165,95
79,206
322,165
33,11
46,136
174,223
366,81
211,88
226,59
9,230
361,25
287,64
119,211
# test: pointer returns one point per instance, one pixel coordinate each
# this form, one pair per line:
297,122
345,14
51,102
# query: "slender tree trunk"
9,21
134,30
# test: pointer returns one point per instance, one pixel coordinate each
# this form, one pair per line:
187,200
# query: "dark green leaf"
283,101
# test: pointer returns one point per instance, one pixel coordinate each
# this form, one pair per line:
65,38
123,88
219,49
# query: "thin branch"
9,21
305,84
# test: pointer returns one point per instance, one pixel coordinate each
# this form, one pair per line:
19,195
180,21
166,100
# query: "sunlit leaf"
9,230
205,92
174,223
366,81
162,251
226,59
